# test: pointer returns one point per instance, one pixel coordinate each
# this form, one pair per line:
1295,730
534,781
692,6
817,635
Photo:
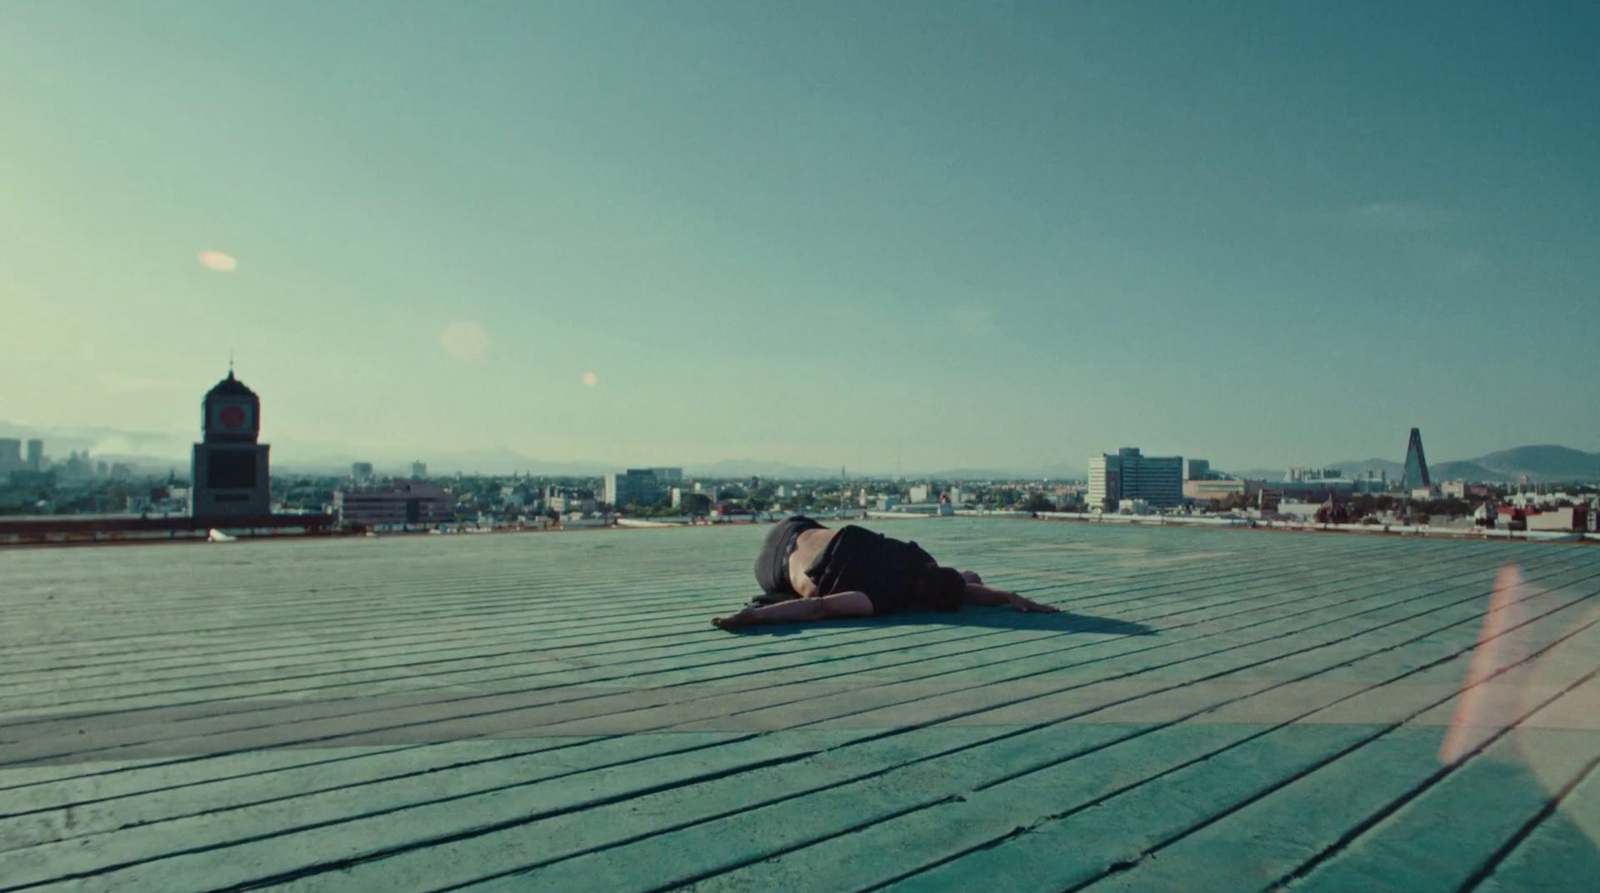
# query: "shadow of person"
994,618
1065,621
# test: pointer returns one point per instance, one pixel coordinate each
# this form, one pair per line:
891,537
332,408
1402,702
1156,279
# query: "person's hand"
732,621
1018,603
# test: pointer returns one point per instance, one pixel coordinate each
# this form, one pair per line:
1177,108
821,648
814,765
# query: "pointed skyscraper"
1416,463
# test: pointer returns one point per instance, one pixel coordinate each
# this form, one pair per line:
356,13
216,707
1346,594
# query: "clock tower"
230,468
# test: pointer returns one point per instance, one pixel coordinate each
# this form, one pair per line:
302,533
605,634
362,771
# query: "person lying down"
811,572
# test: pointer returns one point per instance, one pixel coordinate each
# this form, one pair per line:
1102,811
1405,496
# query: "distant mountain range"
1544,462
157,453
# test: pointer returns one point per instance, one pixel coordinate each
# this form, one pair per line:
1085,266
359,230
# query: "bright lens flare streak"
217,260
1484,708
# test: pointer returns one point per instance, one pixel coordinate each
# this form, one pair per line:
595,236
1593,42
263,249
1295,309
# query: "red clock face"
231,416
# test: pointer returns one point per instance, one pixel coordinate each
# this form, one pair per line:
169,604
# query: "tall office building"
1199,470
665,476
361,472
36,455
229,467
1158,480
10,455
1105,482
419,471
1416,474
636,485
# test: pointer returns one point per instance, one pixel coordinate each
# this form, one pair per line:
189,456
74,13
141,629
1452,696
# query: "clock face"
232,417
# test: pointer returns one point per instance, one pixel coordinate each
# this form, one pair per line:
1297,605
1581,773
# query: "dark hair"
941,589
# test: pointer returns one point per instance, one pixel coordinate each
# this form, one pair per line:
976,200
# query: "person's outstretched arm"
982,595
800,610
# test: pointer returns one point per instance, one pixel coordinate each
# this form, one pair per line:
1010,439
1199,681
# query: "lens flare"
589,379
1484,708
219,261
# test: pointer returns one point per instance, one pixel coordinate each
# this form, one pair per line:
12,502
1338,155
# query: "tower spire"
1416,467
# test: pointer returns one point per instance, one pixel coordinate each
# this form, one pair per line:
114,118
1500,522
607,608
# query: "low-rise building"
1133,507
1301,511
1197,490
398,504
1572,519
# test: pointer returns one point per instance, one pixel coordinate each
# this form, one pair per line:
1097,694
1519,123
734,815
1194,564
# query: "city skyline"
912,237
324,460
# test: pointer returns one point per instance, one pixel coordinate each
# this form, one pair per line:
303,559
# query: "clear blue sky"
919,233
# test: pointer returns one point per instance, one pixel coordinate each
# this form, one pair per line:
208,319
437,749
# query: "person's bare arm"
983,595
801,610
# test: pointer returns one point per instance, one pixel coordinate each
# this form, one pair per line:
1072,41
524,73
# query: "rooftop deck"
1217,710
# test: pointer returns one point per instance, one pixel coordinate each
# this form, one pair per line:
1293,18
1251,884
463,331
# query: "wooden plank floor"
1215,710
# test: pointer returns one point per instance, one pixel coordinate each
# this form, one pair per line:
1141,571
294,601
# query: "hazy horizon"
155,450
906,235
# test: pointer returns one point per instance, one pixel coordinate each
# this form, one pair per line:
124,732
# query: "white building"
1305,511
1158,480
919,493
1104,482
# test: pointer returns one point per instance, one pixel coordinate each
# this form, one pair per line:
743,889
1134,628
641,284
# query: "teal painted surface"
1267,840
410,713
1084,844
1436,840
1562,852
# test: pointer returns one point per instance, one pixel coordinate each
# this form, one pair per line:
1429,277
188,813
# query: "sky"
911,235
